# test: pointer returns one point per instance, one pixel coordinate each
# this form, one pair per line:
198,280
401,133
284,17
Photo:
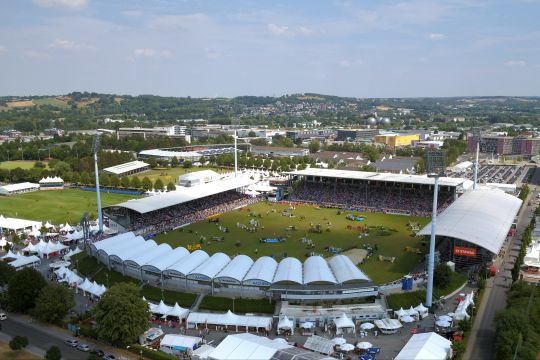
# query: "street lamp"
435,169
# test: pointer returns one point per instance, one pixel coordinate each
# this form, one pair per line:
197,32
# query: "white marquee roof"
373,176
247,347
345,270
211,266
18,187
263,269
126,167
51,180
24,261
185,265
289,270
425,346
482,217
182,195
236,269
17,224
316,270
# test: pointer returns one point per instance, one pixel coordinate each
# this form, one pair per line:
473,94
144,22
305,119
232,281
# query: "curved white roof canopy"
128,252
345,270
108,243
262,272
482,217
122,245
289,271
185,265
162,262
235,270
208,269
143,257
317,271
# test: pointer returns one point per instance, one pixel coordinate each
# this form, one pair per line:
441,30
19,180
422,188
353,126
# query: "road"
481,343
40,338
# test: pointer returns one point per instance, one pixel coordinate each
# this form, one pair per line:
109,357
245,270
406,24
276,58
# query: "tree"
252,134
124,182
146,184
158,185
152,162
187,164
115,181
171,186
18,342
75,178
85,178
314,146
136,182
104,180
121,314
6,273
174,162
61,168
53,303
24,288
53,353
442,275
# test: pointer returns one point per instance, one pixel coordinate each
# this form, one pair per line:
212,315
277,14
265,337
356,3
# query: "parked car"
3,316
109,357
71,342
83,347
97,352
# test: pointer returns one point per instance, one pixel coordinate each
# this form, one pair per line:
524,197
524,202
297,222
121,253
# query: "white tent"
94,289
172,344
177,311
364,345
307,325
407,319
66,228
30,248
48,225
3,242
344,324
422,310
399,313
85,285
413,312
346,347
367,326
229,319
72,252
161,309
425,346
102,290
285,324
76,235
461,311
10,255
442,323
24,261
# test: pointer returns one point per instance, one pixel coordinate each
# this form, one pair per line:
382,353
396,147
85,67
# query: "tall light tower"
98,195
435,169
477,136
235,155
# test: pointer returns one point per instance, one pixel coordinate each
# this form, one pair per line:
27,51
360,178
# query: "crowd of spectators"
190,212
391,199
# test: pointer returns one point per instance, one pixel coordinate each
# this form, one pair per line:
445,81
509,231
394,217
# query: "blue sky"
228,48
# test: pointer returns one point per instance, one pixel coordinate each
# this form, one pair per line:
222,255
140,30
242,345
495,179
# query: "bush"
150,354
18,343
53,353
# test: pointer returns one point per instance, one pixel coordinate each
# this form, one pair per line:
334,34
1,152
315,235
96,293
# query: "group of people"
413,201
190,212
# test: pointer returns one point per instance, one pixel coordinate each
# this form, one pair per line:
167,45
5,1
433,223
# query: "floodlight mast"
235,156
476,136
435,169
98,195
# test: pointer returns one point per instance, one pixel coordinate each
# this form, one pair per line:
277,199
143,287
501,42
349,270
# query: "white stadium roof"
170,153
374,176
126,167
182,195
135,251
482,217
345,271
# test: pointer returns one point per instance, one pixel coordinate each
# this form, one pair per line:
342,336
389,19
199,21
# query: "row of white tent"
166,310
68,276
21,261
461,310
419,311
44,248
135,251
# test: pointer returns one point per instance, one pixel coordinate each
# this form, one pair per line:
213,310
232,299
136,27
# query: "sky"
226,48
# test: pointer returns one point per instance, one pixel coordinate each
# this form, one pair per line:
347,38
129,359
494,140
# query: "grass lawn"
56,206
171,174
53,101
23,164
413,298
274,224
7,354
240,305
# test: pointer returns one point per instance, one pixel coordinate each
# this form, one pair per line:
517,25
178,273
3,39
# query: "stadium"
472,227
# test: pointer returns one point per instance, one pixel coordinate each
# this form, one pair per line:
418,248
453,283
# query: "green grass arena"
389,241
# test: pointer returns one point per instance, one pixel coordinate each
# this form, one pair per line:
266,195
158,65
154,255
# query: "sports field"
23,164
299,228
171,174
56,206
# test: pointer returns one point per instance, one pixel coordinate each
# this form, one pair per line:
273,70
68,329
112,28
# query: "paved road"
481,344
40,339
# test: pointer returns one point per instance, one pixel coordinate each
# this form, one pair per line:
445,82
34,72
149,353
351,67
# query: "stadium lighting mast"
235,155
435,169
98,195
476,136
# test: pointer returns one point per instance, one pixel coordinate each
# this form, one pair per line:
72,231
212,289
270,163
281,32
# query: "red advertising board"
462,251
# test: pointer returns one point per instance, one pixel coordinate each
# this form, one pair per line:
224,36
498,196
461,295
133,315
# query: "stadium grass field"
171,174
56,206
23,164
390,243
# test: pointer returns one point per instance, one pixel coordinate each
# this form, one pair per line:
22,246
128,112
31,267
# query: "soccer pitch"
299,228
56,206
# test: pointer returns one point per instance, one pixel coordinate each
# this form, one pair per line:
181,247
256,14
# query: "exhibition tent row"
136,252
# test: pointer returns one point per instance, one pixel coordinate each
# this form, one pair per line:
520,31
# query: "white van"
3,316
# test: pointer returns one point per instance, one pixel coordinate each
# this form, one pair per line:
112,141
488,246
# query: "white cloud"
67,45
305,30
62,4
436,37
145,52
277,30
515,63
132,13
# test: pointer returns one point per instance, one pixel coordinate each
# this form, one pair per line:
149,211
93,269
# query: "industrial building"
360,135
397,140
170,131
505,145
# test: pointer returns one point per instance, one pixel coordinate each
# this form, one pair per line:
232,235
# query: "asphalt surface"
41,339
483,335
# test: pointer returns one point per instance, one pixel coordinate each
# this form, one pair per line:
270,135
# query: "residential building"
505,145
